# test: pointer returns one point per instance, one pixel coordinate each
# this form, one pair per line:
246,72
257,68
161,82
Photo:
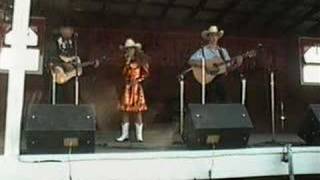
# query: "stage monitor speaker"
56,129
218,125
310,128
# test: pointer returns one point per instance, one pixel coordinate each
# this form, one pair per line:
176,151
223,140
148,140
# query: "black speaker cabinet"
310,127
221,125
56,129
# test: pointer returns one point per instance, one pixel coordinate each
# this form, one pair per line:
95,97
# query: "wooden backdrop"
169,52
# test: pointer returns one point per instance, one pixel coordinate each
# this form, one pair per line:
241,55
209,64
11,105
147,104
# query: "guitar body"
213,68
67,59
64,72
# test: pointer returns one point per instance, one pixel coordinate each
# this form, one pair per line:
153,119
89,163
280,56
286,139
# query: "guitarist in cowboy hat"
216,91
64,52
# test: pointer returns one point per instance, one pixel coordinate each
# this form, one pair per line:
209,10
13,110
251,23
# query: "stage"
166,137
277,87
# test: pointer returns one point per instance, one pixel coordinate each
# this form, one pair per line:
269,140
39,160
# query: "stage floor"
165,136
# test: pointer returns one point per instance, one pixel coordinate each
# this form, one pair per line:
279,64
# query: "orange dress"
133,99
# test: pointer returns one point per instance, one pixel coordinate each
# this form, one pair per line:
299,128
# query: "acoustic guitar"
215,67
70,68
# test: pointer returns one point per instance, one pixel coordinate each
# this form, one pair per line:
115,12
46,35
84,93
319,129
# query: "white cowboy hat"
129,43
138,45
212,30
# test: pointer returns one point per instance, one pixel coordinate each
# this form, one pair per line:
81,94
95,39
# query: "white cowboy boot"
124,133
139,132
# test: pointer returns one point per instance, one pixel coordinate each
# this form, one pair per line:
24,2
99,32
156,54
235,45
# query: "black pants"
216,91
65,93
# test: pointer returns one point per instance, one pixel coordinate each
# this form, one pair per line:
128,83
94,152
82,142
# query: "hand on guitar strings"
213,70
96,63
235,64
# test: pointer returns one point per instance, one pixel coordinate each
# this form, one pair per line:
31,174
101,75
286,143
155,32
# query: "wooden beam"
121,20
166,8
280,14
255,13
313,28
136,7
315,9
151,3
197,9
103,7
226,11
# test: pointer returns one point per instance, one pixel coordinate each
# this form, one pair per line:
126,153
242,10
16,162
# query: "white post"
14,112
290,162
17,59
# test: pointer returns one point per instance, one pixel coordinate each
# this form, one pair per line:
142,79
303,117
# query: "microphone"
202,43
260,48
183,73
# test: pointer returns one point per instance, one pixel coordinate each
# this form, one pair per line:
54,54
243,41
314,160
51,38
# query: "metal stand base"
287,158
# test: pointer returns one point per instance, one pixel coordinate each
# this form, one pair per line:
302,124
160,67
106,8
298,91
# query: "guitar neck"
94,62
236,57
244,55
89,63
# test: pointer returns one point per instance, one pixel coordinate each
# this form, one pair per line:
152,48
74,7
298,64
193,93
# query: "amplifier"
221,125
54,129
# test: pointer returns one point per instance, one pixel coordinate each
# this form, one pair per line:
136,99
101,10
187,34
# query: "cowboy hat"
130,43
212,30
139,45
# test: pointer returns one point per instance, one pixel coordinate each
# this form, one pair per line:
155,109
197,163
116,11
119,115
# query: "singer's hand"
134,82
239,61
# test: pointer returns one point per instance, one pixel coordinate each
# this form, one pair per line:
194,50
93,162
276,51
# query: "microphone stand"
54,89
181,82
272,88
243,89
77,71
283,118
203,77
272,100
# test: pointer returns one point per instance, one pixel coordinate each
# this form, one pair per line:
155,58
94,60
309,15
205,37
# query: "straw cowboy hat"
139,46
129,43
212,30
67,23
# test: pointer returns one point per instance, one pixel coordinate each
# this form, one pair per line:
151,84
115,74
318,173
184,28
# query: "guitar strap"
228,63
222,55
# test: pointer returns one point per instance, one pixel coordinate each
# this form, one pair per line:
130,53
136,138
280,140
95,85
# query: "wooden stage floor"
165,136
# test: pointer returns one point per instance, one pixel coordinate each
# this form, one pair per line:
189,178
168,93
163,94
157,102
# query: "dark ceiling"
237,17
